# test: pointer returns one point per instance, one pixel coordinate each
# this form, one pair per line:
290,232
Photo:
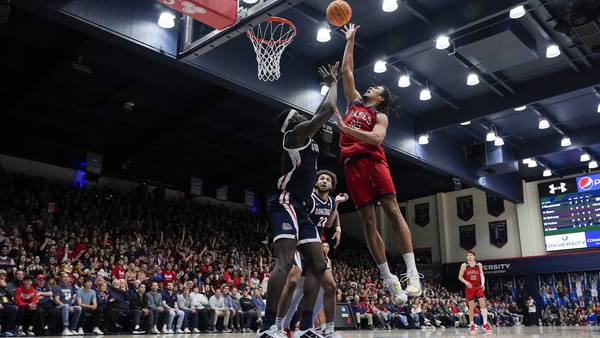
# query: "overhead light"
425,94
565,142
517,12
499,141
423,139
552,51
389,5
380,67
466,123
585,157
521,108
442,42
532,164
593,164
527,160
472,79
547,173
598,108
491,136
543,124
324,90
166,20
404,81
324,34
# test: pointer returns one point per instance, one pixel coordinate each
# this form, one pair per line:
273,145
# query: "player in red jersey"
362,131
471,274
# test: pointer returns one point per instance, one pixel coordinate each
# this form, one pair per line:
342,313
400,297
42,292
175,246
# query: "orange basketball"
339,13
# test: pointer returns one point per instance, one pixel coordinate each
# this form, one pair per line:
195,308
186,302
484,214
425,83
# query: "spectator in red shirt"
168,276
117,271
27,300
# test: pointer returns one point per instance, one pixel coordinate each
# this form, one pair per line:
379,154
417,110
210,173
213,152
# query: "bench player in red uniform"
471,274
362,131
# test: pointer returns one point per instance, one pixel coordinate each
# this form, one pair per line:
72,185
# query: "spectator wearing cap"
87,299
27,301
8,311
64,299
45,303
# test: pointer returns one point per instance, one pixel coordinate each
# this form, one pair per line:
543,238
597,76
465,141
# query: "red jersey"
25,297
473,274
360,117
167,277
118,272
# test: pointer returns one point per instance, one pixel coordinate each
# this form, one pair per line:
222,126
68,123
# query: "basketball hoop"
269,39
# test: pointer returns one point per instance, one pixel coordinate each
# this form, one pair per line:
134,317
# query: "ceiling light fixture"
442,42
598,108
466,123
389,5
472,79
324,34
404,81
547,172
585,157
423,139
490,136
517,12
543,123
532,164
380,67
593,164
166,20
521,108
526,160
425,94
552,51
565,142
499,141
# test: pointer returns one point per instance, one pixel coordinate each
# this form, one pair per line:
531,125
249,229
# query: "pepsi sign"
587,183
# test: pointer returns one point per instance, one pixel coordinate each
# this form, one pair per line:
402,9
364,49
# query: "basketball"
339,13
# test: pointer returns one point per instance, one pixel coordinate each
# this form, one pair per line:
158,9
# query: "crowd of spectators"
97,259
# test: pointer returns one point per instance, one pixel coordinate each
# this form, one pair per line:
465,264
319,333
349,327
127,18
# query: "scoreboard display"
571,213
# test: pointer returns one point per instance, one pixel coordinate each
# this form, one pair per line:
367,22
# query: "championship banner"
464,207
498,233
222,193
467,236
422,214
495,205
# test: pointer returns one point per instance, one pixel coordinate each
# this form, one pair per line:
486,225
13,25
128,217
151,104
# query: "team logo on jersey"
554,188
286,226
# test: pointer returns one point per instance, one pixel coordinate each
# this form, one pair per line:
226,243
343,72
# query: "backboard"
197,38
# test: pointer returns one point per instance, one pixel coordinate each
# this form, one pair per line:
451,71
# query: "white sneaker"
310,333
395,288
187,330
179,331
413,286
80,331
196,331
272,332
97,331
154,330
74,332
164,330
138,330
332,335
67,332
170,331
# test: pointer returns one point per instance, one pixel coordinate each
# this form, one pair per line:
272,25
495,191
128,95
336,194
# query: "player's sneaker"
487,327
272,332
310,333
472,328
413,283
332,335
395,288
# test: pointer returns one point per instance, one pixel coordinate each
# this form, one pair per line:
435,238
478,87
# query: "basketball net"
270,38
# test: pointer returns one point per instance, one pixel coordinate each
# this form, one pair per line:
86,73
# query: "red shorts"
474,292
368,180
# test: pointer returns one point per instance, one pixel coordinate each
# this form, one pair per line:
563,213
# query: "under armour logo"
562,187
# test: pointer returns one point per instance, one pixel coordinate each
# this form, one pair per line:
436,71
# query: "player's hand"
469,285
341,198
330,73
337,236
482,288
350,31
340,121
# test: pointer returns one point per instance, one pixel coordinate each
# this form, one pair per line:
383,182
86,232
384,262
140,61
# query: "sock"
323,326
385,270
306,320
268,320
484,314
409,260
329,327
279,323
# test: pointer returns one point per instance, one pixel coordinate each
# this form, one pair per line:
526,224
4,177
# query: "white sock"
409,260
484,315
385,270
329,327
279,323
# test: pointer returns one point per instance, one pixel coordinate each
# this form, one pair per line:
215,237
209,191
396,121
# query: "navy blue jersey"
299,170
320,212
